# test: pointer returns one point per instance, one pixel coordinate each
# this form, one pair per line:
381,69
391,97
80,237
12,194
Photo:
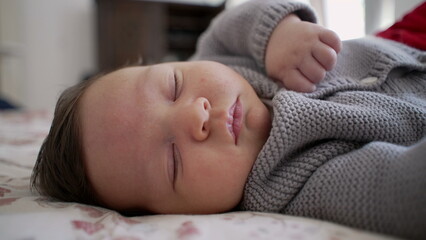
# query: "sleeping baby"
273,113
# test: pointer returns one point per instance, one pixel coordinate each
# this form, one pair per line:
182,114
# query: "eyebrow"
148,71
140,78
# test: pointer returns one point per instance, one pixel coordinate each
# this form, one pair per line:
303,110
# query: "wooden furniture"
155,31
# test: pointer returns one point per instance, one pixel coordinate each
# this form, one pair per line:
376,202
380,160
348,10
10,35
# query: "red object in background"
410,30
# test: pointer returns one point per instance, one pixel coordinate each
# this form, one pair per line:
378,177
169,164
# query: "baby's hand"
300,53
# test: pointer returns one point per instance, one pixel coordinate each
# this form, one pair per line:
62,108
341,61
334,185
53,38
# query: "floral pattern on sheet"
88,227
26,215
186,230
3,191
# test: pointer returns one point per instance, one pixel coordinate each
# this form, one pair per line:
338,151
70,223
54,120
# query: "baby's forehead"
117,82
106,105
114,107
123,73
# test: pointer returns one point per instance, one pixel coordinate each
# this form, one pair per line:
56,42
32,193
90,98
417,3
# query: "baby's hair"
59,171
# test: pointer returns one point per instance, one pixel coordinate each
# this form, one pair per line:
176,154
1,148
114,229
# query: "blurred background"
48,45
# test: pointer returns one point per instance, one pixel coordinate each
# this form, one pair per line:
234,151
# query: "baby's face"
172,138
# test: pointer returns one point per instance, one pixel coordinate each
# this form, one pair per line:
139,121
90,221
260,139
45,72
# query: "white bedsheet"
26,215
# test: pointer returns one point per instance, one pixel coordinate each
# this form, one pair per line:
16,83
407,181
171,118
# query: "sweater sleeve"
243,32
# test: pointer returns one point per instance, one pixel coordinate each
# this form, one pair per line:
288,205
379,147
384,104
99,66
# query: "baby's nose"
199,119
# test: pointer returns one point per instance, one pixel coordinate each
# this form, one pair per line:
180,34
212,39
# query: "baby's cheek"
219,173
259,118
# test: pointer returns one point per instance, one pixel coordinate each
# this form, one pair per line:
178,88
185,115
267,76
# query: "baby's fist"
300,53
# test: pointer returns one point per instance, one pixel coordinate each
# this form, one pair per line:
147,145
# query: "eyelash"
176,87
174,163
175,152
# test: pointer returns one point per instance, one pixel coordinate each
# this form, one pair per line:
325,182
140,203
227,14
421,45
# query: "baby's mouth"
235,119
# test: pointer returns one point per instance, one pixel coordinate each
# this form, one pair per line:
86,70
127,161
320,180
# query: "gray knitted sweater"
354,151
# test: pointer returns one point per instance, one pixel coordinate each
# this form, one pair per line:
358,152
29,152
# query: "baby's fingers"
296,81
331,39
311,69
325,55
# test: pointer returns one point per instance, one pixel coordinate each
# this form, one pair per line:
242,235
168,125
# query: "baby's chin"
260,120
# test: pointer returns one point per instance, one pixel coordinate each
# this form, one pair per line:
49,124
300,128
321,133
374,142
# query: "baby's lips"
230,120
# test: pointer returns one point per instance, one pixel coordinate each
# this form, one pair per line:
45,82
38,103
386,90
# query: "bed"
26,215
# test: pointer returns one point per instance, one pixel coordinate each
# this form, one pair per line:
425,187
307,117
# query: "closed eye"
176,161
175,86
171,163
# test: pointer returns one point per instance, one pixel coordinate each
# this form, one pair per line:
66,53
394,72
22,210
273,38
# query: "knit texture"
343,159
353,152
